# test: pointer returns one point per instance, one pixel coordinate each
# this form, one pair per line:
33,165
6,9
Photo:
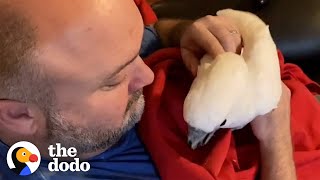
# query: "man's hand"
211,34
273,132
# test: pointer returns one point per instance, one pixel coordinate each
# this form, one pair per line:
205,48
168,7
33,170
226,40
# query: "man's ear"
17,117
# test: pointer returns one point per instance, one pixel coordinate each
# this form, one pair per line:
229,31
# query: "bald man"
70,72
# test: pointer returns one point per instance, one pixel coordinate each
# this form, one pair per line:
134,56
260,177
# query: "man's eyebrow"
121,67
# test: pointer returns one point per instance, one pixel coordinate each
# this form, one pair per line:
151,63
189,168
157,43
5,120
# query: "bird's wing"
260,54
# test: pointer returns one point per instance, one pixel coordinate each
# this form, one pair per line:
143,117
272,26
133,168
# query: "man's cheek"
109,114
109,106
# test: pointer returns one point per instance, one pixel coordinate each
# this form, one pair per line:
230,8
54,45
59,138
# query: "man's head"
70,71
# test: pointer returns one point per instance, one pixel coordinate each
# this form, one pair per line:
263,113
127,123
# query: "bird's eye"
24,154
223,123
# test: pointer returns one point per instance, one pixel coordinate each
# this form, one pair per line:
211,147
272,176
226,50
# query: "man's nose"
142,76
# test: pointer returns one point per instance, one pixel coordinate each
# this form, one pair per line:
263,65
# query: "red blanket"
148,16
230,155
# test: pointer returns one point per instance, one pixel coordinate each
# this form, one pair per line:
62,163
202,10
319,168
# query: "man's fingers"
225,32
206,40
229,38
210,35
234,33
190,61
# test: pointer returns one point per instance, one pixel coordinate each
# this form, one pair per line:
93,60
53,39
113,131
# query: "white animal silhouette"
231,90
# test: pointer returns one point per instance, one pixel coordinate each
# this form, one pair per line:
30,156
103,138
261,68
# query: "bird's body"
231,90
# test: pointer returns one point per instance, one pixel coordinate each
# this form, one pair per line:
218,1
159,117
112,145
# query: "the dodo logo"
23,158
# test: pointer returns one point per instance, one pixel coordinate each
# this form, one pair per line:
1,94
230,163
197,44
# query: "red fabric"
230,155
148,15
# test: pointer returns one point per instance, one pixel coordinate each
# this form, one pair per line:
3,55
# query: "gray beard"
88,140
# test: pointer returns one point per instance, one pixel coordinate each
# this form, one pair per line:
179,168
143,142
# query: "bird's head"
23,155
198,137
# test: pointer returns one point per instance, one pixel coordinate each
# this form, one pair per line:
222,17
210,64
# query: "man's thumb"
190,60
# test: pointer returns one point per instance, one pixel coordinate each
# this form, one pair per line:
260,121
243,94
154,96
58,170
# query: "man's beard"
88,140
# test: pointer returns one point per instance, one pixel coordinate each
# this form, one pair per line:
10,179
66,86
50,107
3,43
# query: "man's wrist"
277,158
171,31
272,144
280,137
176,33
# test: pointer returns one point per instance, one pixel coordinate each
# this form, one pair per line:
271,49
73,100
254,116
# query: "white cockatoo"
231,90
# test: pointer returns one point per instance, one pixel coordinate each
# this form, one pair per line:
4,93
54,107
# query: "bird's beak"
197,137
33,158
